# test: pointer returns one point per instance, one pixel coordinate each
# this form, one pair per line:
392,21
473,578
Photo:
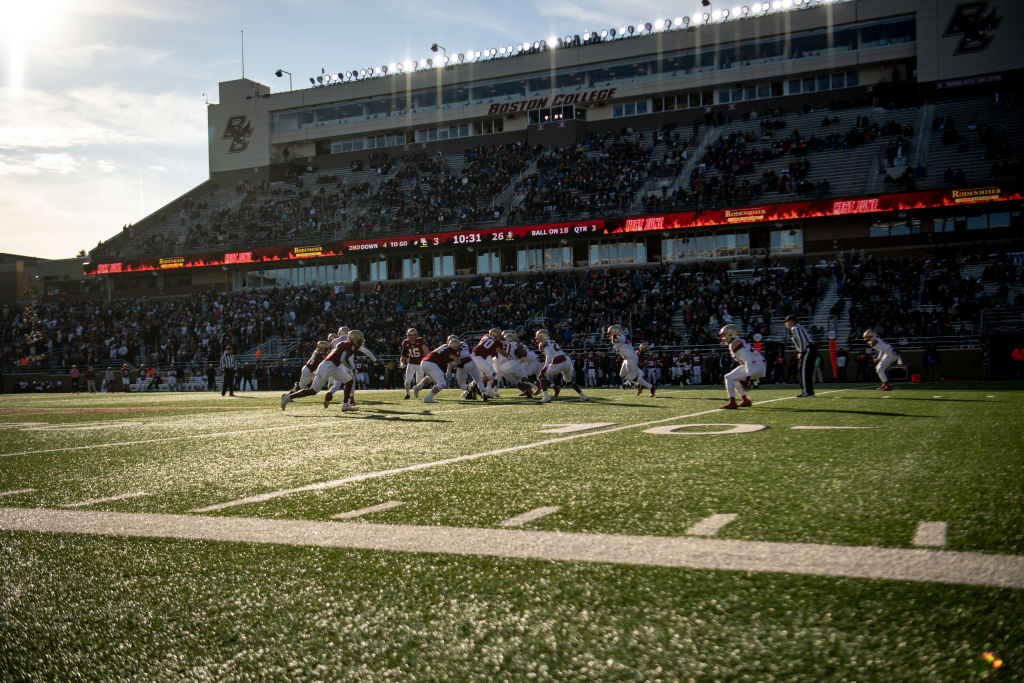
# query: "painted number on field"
570,428
706,429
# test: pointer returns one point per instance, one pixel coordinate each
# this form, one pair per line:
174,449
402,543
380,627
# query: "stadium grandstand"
855,163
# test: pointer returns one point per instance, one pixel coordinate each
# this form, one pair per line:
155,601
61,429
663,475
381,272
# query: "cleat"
348,406
546,399
805,395
731,405
583,398
639,390
430,399
556,390
885,387
745,403
416,391
285,398
406,397
327,399
654,387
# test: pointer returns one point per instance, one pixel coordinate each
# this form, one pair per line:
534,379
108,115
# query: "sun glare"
24,25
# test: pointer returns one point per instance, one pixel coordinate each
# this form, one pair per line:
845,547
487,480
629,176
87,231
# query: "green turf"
94,608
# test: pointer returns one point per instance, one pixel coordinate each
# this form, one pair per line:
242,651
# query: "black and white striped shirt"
227,361
801,338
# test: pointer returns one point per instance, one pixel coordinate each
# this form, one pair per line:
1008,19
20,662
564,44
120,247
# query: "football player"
556,362
629,371
309,368
509,366
435,365
337,366
489,347
413,349
886,356
751,366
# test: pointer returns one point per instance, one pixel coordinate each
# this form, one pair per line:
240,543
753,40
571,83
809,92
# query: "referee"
227,366
806,354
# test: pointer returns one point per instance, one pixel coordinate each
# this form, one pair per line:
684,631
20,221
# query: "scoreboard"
483,238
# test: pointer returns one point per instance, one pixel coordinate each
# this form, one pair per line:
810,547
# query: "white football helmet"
343,330
411,333
869,335
323,345
614,329
356,337
541,335
728,333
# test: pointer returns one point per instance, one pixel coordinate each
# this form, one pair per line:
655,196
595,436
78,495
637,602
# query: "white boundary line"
865,562
352,514
16,493
930,534
335,483
711,525
94,501
530,516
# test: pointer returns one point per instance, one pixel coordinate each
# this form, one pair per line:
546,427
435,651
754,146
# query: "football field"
858,535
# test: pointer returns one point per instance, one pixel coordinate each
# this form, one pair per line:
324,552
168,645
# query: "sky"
103,102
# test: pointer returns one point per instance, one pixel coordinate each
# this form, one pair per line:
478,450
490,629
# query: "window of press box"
895,228
488,262
616,253
787,241
544,258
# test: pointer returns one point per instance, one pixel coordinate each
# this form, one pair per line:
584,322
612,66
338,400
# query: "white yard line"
15,493
352,514
94,501
710,526
335,483
159,440
930,534
809,428
866,562
530,516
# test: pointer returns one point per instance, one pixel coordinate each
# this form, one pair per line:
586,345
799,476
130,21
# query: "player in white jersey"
556,362
467,374
751,366
886,357
629,371
509,367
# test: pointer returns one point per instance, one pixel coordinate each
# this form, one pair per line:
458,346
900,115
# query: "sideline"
335,483
863,562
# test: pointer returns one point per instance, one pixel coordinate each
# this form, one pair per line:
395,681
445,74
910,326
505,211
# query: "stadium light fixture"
281,72
435,47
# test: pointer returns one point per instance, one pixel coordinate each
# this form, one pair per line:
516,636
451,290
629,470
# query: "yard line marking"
710,526
820,427
15,493
530,516
94,501
161,439
335,483
864,562
352,514
930,534
570,428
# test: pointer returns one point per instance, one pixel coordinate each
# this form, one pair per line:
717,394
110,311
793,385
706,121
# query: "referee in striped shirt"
227,365
806,354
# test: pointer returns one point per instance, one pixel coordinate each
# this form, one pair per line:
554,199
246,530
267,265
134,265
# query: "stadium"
853,165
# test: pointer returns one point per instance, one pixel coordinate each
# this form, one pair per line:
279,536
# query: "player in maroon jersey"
335,365
413,349
309,368
434,365
489,347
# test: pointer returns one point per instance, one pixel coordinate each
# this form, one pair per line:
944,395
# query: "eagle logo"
238,130
974,25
